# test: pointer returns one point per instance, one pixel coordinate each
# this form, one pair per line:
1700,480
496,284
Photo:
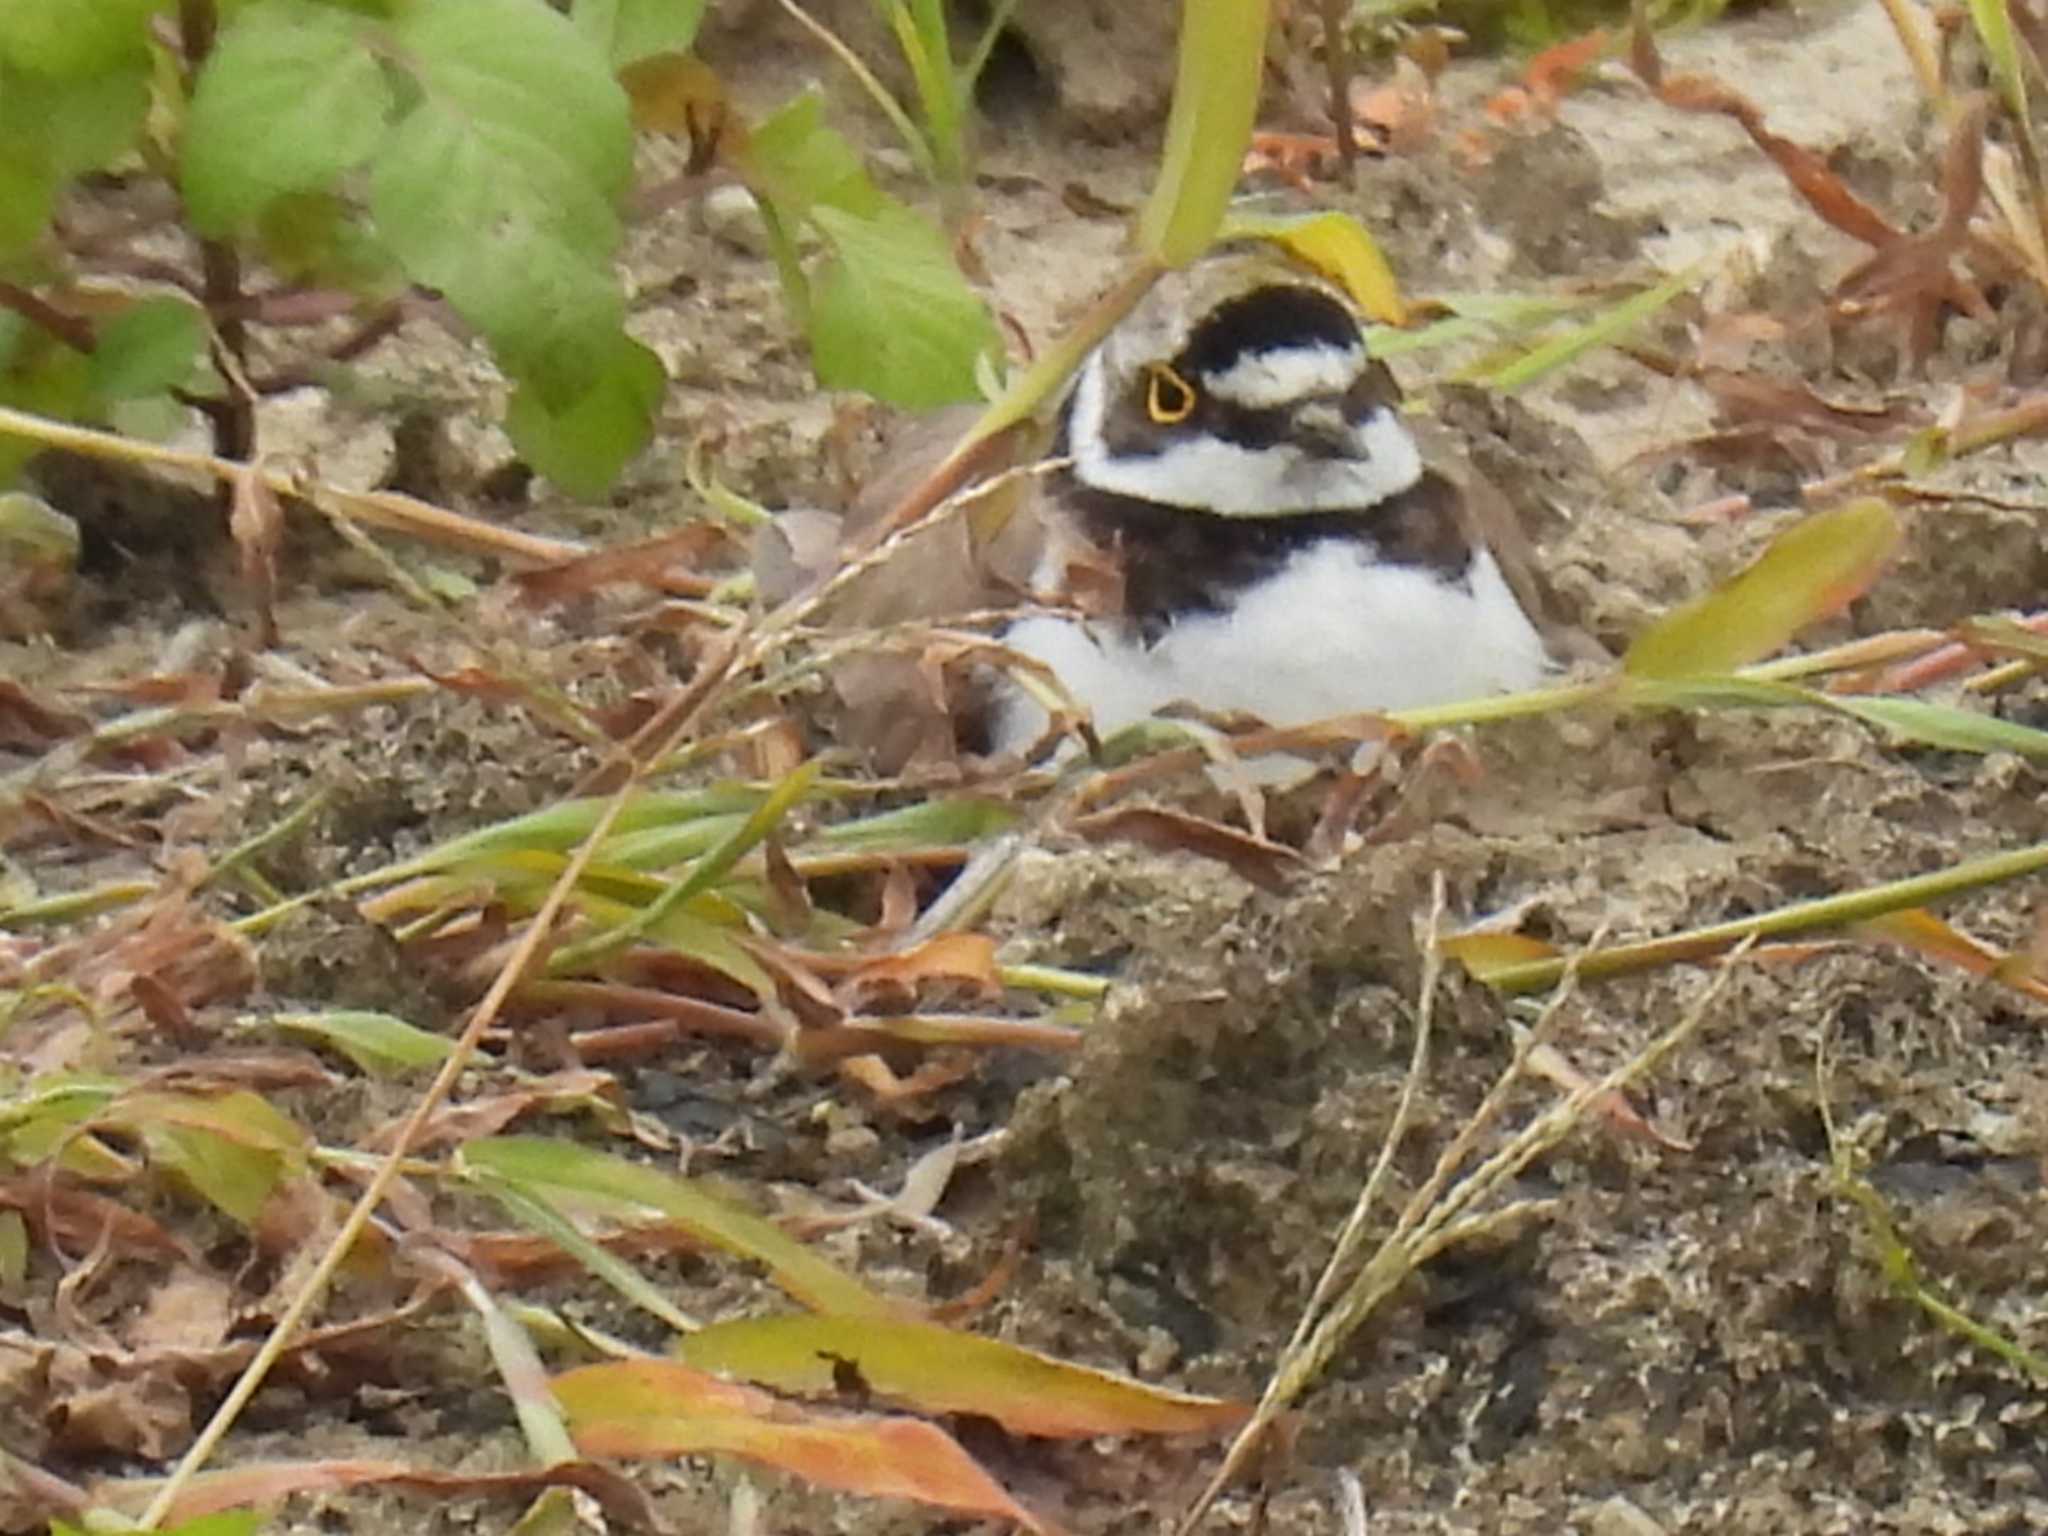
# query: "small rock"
1620,1517
731,216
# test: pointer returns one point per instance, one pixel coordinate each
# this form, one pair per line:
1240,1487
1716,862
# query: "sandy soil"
1693,1340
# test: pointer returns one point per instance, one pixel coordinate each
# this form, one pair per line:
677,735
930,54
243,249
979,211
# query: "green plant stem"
1801,917
914,141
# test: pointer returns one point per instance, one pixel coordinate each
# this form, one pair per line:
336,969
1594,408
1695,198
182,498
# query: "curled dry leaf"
668,563
256,523
949,962
1912,276
1269,865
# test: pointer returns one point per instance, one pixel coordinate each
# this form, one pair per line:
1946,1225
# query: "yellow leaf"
940,1370
1336,245
1811,570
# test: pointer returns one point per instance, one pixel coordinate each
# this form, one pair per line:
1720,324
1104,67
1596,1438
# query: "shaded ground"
1690,1340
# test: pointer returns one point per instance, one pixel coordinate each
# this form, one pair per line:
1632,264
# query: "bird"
1242,520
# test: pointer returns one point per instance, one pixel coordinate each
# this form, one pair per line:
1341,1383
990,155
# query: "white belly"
1332,634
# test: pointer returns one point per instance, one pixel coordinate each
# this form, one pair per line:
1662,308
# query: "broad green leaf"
1221,63
891,315
941,1370
554,1170
499,187
583,447
41,375
74,125
319,239
293,95
626,31
1336,245
233,1148
1812,570
74,37
797,162
28,195
147,348
657,1408
51,129
378,1043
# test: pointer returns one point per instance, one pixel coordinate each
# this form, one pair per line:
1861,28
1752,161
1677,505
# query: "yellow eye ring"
1169,398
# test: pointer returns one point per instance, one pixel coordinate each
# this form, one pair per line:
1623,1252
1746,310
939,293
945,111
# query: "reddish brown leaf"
666,563
28,724
1269,865
1551,1064
657,1408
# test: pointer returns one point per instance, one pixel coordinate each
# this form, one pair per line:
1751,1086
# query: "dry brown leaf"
668,563
1269,865
256,524
951,962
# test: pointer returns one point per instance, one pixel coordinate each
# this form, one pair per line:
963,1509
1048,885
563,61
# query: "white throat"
1208,474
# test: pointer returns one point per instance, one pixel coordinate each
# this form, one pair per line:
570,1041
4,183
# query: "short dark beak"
1320,429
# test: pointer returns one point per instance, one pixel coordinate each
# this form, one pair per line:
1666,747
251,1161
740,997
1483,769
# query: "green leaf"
626,31
378,1043
41,375
54,128
1602,330
232,1148
554,1171
293,95
931,823
499,187
583,447
319,239
1993,21
28,195
1222,59
147,348
1942,725
73,37
796,162
75,125
891,315
537,1215
1813,569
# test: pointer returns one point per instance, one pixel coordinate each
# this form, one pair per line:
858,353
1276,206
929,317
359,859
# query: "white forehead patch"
1207,474
1281,375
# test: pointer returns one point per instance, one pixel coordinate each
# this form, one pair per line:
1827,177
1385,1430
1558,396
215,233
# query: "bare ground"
1689,1340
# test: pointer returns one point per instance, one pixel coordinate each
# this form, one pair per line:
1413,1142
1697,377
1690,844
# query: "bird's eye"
1169,398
